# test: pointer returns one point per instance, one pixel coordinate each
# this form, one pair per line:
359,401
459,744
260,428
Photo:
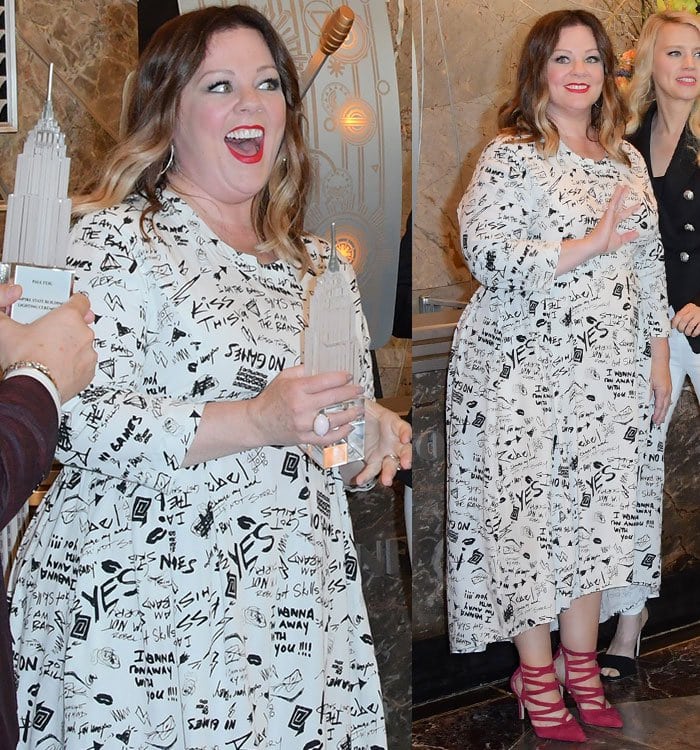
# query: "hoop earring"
169,163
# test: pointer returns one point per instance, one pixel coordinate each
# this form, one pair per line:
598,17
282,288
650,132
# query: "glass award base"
43,289
352,448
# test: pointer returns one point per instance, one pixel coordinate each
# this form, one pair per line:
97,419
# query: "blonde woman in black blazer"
664,100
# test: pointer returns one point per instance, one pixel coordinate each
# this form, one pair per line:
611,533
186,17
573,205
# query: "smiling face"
676,64
231,118
574,73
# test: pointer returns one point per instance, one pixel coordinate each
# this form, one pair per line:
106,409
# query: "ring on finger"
394,457
321,424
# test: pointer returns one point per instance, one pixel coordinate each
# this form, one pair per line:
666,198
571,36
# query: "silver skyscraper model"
38,220
330,344
38,211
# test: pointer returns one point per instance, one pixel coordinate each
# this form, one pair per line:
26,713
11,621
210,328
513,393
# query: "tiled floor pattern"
660,707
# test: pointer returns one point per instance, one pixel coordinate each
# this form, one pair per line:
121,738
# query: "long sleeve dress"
208,607
555,473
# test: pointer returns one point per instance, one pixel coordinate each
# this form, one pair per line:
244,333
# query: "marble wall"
429,613
380,540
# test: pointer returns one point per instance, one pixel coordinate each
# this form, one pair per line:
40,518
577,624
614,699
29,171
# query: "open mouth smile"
246,143
577,88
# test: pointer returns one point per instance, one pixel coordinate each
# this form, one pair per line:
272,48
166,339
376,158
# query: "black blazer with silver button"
679,217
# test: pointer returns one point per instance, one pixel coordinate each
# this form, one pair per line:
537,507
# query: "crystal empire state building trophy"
331,343
38,221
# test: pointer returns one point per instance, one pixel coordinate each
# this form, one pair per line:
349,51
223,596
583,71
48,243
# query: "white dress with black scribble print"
554,472
218,606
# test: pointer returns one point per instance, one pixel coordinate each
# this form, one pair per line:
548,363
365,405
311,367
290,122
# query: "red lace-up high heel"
579,667
551,720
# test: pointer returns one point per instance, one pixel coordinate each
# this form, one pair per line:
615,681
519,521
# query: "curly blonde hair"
640,93
524,115
139,163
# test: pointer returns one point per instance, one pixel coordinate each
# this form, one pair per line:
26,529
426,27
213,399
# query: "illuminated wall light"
347,249
354,119
357,121
352,239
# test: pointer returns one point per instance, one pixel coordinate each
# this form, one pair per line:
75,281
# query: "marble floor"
660,707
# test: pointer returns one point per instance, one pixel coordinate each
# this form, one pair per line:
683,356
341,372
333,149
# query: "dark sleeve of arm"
402,310
28,431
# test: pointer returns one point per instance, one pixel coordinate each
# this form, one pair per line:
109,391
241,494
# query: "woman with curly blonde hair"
664,125
191,579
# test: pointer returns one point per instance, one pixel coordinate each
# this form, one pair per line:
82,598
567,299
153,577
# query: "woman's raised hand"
606,237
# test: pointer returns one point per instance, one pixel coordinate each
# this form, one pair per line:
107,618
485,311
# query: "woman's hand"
603,238
687,320
387,445
606,236
284,412
660,379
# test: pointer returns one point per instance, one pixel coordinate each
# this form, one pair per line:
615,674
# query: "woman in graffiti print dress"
555,471
185,585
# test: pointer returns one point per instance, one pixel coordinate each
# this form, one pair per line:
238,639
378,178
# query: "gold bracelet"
43,369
